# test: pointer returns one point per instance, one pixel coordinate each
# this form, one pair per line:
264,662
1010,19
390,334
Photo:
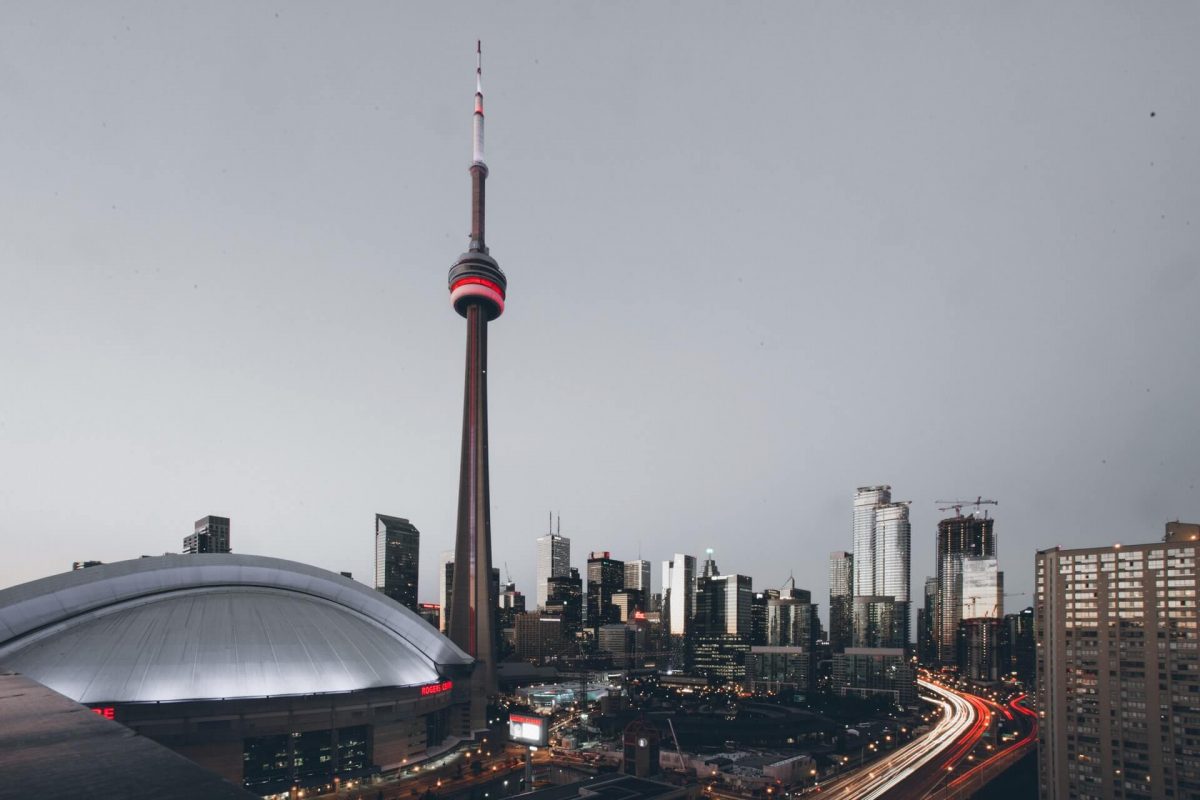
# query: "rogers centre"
271,673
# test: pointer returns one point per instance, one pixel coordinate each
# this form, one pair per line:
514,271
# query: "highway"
963,721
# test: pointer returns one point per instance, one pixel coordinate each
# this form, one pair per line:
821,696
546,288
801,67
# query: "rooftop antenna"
560,524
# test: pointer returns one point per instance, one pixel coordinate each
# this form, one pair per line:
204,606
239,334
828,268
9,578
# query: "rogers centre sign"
436,688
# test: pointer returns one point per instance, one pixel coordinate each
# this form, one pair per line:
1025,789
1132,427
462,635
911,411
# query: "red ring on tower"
472,286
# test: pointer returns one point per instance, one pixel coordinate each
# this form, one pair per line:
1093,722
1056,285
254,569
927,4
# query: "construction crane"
957,505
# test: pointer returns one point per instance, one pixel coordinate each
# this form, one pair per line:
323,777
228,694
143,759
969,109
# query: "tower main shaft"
477,291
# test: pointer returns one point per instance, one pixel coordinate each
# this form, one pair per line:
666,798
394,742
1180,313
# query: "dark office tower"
979,649
925,644
446,579
211,536
790,619
958,537
397,554
1017,649
758,616
841,600
564,598
477,292
605,575
721,629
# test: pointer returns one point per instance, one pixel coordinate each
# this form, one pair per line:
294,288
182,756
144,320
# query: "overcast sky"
758,255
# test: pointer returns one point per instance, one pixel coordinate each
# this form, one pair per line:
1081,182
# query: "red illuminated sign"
525,720
436,688
108,712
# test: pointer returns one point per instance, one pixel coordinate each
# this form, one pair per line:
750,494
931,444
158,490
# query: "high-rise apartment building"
605,576
866,500
958,537
397,556
1118,670
211,535
553,561
841,594
883,553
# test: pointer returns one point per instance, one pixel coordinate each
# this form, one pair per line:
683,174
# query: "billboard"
528,729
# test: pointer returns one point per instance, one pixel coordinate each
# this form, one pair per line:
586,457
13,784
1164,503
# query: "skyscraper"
883,554
477,291
637,576
841,599
565,599
893,563
926,651
721,635
790,618
1017,648
866,500
397,556
679,589
605,575
211,535
553,561
958,537
446,588
679,592
1118,669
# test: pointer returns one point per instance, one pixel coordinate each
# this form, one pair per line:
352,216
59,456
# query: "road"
963,722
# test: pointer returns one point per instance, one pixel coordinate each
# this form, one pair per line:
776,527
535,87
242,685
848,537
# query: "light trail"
1022,744
964,720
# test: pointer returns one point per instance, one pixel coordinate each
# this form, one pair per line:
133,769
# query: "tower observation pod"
477,292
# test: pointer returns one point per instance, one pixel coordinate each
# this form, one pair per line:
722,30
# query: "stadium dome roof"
214,626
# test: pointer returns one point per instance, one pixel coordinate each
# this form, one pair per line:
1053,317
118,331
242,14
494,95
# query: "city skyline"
207,274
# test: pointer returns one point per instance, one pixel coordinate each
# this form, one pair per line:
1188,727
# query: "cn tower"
477,291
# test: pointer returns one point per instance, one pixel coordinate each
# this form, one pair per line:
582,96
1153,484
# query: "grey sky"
759,255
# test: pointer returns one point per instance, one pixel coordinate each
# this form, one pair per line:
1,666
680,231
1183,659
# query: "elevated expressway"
918,767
